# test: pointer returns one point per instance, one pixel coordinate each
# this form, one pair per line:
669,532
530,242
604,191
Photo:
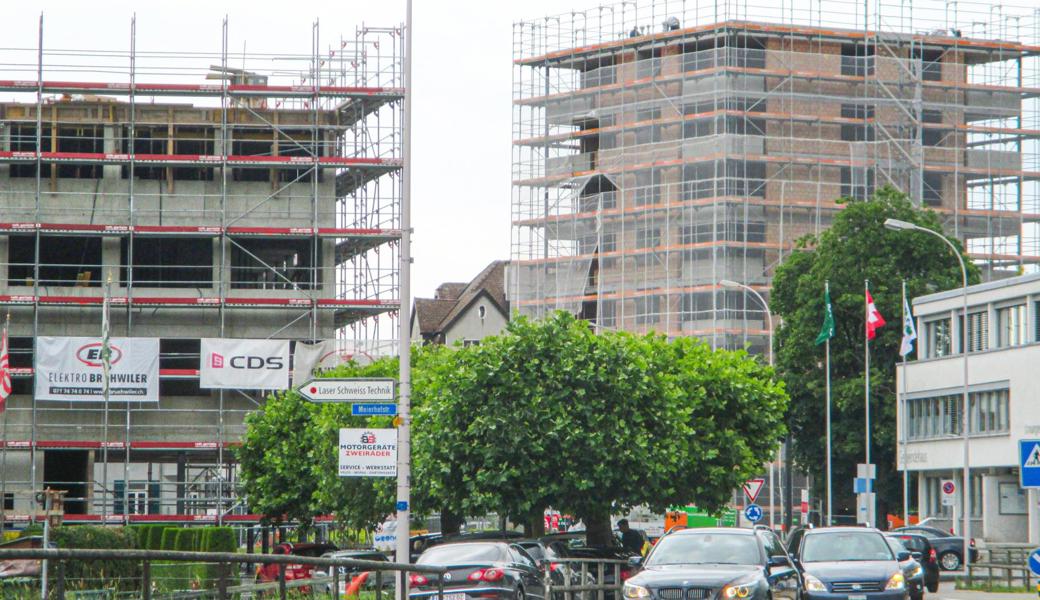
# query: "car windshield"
896,545
459,554
715,548
535,551
846,545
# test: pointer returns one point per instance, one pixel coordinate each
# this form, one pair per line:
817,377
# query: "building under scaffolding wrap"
223,195
665,146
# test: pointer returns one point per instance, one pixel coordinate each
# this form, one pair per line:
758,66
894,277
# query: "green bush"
153,536
169,538
111,574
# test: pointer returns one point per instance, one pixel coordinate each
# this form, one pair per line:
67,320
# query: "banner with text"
244,364
368,453
69,368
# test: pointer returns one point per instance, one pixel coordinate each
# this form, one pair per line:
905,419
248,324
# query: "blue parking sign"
1029,463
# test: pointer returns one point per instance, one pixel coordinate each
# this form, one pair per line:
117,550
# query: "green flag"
827,330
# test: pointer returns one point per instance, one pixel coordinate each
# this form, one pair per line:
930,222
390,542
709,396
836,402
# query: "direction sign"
1034,561
348,390
752,487
753,513
1029,463
370,410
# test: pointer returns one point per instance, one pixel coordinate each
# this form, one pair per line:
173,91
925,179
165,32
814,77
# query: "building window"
468,343
933,498
8,500
932,189
607,313
648,238
272,263
857,60
168,262
648,308
857,132
1012,325
978,332
989,411
940,416
608,242
64,262
648,187
937,334
857,183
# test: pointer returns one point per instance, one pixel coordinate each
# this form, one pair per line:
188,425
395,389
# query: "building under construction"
208,195
663,147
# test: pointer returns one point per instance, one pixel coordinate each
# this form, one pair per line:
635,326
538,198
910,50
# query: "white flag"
909,332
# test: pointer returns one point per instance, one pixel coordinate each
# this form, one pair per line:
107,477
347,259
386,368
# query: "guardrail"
227,585
1011,575
604,577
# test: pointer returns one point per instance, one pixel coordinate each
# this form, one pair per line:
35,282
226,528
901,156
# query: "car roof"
841,529
730,530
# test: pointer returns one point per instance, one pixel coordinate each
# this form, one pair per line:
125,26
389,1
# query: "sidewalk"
946,592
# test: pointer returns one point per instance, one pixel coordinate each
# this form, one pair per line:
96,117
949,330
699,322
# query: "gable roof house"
466,312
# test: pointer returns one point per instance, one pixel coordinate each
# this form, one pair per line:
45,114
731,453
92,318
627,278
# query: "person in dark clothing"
630,538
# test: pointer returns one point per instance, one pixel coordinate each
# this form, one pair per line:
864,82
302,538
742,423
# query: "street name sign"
372,410
1029,463
752,487
348,390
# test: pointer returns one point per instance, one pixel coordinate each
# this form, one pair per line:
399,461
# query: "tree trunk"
451,522
598,530
534,526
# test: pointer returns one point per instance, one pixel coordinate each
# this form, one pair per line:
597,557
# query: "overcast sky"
462,89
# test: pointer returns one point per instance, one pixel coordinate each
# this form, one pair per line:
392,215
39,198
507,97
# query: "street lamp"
733,285
897,225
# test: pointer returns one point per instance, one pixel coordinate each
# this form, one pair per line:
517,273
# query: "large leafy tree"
551,414
857,247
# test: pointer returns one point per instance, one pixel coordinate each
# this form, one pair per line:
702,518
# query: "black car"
850,563
948,547
913,571
485,569
919,544
710,563
347,574
574,545
560,572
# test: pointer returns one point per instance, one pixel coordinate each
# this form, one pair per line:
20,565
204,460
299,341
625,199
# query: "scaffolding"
215,194
662,147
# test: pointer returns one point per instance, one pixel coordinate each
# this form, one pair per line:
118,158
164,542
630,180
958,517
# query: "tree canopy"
855,248
546,414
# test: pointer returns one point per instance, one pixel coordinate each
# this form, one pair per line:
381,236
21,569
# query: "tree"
855,248
551,414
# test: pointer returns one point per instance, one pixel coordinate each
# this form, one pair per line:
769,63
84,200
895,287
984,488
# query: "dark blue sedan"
850,563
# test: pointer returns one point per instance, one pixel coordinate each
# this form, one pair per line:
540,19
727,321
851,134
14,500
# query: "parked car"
913,571
347,574
929,561
708,563
490,569
575,545
850,562
560,573
269,572
948,547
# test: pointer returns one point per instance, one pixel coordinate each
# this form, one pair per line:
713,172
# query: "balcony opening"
273,264
171,262
147,140
65,262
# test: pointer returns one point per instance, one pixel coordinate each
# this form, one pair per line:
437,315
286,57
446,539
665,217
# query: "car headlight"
636,591
896,582
813,584
737,591
916,572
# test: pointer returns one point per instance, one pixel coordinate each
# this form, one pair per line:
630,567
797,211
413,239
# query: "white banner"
368,453
307,357
69,368
244,364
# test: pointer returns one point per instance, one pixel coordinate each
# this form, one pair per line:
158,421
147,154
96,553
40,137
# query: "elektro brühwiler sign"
368,453
348,390
70,369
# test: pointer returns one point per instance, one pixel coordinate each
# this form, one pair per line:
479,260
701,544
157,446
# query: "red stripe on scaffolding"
93,445
194,230
174,301
200,89
195,159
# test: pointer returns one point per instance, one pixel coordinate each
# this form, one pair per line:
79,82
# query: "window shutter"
154,507
117,504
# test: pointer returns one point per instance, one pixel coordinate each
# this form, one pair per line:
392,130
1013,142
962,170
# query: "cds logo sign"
90,355
244,364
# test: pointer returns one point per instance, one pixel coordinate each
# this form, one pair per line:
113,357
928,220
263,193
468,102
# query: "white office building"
1003,340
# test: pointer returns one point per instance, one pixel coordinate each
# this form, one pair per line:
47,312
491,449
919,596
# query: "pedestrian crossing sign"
1029,463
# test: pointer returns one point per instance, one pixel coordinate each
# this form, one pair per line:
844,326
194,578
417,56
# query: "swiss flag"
874,318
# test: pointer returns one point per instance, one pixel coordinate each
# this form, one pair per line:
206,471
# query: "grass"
985,586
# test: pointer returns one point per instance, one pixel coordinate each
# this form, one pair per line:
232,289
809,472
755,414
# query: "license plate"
858,597
455,596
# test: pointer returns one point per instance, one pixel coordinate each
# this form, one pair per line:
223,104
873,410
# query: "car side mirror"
635,561
902,556
916,555
778,561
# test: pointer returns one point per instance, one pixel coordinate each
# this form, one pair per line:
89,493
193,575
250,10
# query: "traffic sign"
348,390
753,513
1029,463
948,487
752,487
368,410
1034,562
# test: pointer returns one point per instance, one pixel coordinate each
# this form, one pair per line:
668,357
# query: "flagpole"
830,500
104,388
3,430
903,430
866,401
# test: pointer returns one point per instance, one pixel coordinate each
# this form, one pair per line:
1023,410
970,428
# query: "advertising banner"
244,364
368,453
69,369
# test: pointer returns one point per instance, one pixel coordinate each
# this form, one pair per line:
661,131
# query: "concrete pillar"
182,475
112,145
1034,517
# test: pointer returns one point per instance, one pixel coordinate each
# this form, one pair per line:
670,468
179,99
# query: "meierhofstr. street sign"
348,390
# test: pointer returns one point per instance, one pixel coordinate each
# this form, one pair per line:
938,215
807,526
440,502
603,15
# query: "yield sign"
752,487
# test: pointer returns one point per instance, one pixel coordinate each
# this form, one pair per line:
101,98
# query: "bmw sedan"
716,563
484,570
851,563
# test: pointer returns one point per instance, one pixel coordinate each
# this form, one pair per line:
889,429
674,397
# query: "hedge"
96,574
